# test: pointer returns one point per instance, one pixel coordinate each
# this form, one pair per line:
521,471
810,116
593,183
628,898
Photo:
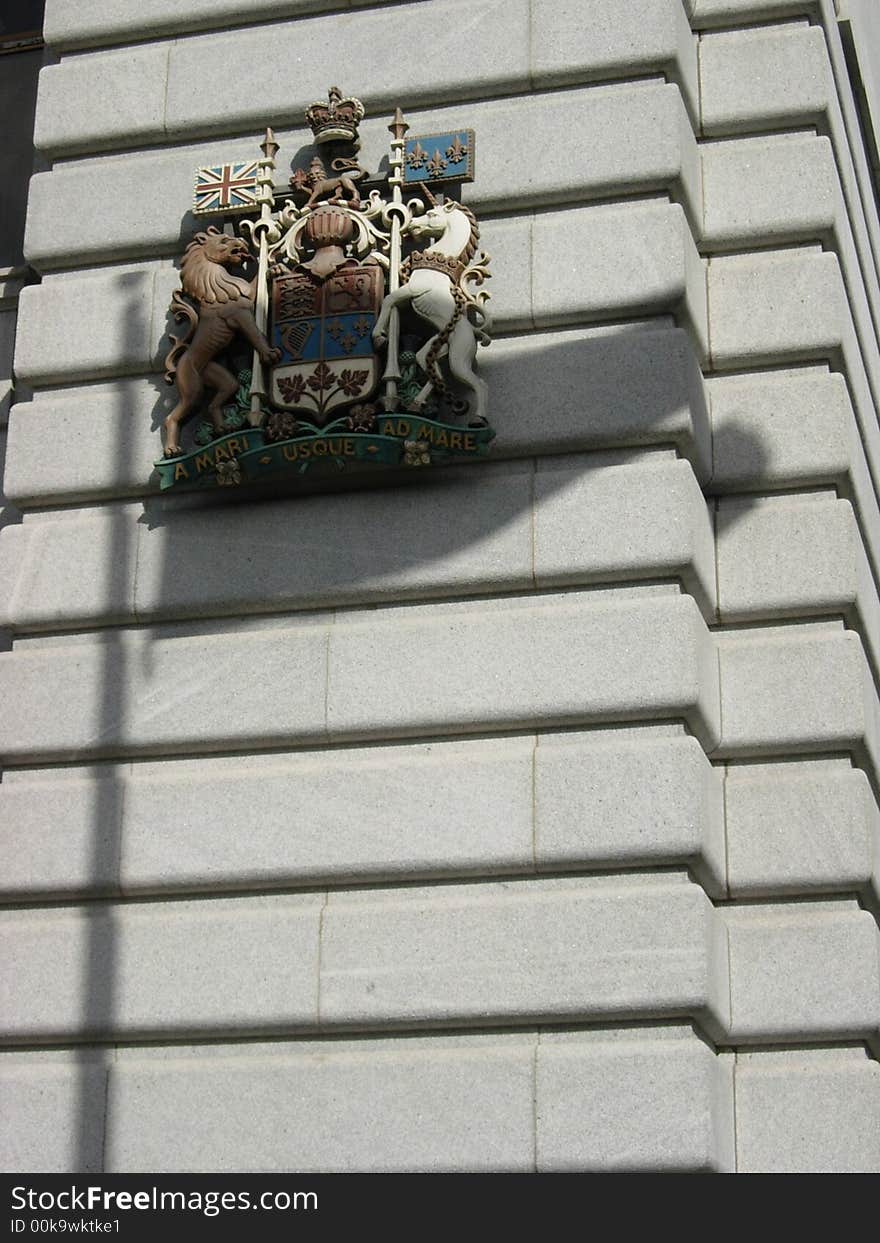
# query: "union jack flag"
226,187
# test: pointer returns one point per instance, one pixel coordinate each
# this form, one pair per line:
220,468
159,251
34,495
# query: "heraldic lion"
224,308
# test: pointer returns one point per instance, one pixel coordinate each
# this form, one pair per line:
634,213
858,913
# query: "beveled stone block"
825,979
595,949
644,1099
151,969
767,78
808,1111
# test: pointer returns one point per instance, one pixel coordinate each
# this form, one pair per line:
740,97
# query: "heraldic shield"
323,327
359,309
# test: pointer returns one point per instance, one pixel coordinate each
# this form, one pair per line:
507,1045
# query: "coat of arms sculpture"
339,330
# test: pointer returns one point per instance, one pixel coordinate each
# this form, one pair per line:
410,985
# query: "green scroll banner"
307,452
245,456
442,439
207,466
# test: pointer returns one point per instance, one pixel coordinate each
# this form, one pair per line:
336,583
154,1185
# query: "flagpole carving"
398,216
262,232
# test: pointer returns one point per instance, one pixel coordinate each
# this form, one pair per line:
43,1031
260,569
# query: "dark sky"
18,88
19,16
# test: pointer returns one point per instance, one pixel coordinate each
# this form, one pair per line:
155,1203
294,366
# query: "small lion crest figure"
224,307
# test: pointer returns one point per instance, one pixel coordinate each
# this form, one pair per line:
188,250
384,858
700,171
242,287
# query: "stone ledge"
445,809
90,325
802,827
674,677
90,23
825,977
646,1098
778,307
155,970
785,189
808,1112
559,392
566,36
797,690
814,58
627,1102
792,429
102,100
787,429
767,77
639,259
579,949
490,530
128,97
791,557
706,14
643,143
585,949
579,660
43,1096
770,190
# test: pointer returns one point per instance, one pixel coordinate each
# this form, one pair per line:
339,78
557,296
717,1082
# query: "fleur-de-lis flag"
436,158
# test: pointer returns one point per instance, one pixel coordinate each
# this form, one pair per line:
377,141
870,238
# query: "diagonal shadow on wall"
600,373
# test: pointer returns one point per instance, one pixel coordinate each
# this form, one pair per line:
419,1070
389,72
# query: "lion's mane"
202,273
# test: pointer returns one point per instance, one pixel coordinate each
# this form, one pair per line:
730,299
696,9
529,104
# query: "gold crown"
338,119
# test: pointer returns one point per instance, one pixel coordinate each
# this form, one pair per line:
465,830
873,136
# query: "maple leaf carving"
292,387
322,377
351,382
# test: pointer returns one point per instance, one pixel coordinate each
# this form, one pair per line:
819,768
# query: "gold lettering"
320,448
221,451
180,472
233,445
336,447
469,442
455,440
290,452
402,427
203,462
305,450
441,438
348,448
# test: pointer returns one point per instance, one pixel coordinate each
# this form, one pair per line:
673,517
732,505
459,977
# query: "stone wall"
521,818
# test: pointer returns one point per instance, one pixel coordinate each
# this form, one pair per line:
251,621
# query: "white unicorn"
437,284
